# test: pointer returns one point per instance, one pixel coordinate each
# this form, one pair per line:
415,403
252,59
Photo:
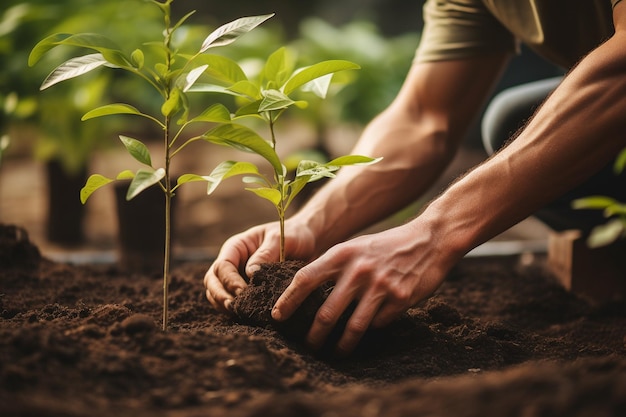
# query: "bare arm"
577,131
417,136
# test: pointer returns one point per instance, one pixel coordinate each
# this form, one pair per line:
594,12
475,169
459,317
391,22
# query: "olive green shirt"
562,31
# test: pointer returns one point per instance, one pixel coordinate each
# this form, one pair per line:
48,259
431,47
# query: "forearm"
577,131
417,136
413,153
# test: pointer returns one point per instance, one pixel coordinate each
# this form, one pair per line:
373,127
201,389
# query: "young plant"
613,210
171,73
266,97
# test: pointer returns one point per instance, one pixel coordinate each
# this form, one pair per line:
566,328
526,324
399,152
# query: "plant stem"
168,226
168,183
280,179
282,236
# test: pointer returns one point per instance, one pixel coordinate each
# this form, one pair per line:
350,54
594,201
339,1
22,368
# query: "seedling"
172,75
615,211
266,97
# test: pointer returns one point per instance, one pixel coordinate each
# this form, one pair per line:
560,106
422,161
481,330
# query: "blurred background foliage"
381,36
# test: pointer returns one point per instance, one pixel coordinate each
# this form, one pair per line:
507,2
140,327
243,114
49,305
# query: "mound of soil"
499,338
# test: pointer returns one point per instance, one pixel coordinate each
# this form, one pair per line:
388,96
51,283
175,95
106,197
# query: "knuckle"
325,316
356,327
305,278
400,294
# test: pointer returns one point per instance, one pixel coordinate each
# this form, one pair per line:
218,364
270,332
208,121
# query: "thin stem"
281,217
280,179
168,191
271,121
181,147
168,227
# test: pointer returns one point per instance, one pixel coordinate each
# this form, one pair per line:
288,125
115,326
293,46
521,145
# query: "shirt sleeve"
457,29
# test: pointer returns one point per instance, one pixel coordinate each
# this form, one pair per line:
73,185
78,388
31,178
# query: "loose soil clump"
499,338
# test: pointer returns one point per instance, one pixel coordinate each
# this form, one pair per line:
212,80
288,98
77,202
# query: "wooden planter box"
599,273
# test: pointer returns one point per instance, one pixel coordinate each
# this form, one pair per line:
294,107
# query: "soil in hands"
253,306
499,338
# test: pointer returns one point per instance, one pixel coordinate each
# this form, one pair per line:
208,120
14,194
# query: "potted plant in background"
61,141
168,71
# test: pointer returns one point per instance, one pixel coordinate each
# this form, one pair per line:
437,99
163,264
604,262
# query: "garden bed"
499,338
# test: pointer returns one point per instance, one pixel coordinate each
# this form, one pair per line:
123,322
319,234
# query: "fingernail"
228,304
276,314
238,291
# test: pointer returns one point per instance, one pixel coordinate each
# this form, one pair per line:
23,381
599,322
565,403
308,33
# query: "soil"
499,338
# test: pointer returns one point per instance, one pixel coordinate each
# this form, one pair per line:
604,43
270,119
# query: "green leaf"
606,234
230,32
110,109
137,58
109,49
320,69
274,100
270,194
144,179
620,162
319,86
247,89
73,68
210,88
229,169
94,182
250,109
222,69
617,209
353,160
185,178
593,202
127,174
217,113
245,139
44,45
173,103
317,170
278,68
295,187
193,76
137,150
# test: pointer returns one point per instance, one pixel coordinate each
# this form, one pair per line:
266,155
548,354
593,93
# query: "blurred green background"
379,35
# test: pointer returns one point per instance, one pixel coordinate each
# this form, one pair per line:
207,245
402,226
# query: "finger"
268,251
226,275
358,323
328,315
222,285
303,283
387,313
220,300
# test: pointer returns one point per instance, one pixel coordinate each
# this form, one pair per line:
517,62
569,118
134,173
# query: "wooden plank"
598,273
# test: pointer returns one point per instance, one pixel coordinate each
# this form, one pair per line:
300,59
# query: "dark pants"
506,114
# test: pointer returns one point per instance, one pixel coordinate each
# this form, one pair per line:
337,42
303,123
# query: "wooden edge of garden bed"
598,273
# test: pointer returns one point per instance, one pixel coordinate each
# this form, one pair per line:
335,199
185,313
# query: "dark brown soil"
499,338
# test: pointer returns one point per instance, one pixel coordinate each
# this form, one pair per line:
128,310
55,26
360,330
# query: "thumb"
268,252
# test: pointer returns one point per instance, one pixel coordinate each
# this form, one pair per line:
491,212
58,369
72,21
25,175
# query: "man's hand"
386,273
242,254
